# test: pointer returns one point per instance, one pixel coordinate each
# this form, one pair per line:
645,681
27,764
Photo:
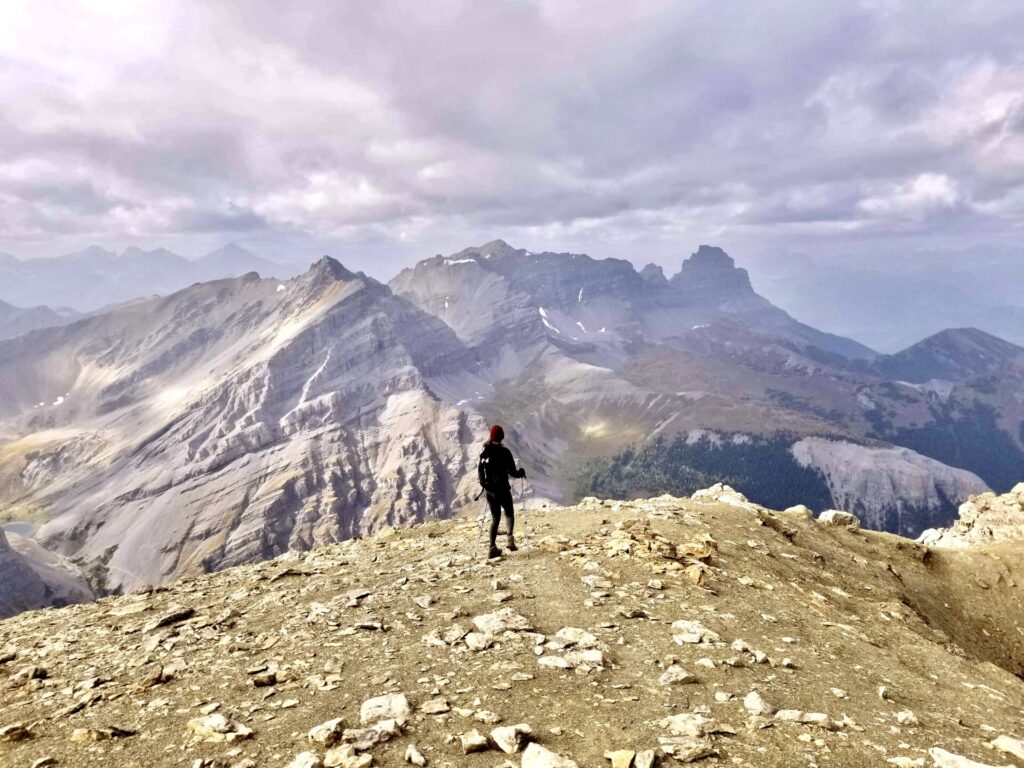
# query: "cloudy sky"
385,131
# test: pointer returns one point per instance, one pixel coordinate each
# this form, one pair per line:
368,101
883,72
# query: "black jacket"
496,467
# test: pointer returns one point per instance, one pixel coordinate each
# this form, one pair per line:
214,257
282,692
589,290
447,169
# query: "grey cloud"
797,124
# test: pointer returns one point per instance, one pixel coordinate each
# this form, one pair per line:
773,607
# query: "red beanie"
497,433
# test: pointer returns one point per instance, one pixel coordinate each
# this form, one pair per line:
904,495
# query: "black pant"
498,499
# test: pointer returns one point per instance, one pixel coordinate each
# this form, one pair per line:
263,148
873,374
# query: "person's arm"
480,471
512,471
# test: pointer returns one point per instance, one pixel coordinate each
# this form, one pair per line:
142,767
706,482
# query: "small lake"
20,528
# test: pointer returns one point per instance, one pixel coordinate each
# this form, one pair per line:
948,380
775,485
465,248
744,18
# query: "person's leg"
495,504
510,515
510,518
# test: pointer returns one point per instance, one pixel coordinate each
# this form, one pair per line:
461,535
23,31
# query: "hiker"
495,467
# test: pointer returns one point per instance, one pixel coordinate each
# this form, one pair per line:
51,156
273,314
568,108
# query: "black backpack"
489,470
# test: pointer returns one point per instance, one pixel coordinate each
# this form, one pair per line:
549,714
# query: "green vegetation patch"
762,468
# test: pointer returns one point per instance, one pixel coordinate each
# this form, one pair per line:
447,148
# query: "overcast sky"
385,131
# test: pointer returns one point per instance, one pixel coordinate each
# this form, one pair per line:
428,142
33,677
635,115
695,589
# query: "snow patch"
547,323
281,288
450,262
579,299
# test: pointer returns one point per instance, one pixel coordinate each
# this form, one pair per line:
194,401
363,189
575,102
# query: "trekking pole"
522,498
480,527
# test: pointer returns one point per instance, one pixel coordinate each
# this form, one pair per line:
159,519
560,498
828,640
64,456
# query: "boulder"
391,706
839,518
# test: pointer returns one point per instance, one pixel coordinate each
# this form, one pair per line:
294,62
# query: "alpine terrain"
240,419
666,631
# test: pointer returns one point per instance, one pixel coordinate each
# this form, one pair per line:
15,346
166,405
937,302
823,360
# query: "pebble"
756,705
414,756
676,675
473,741
510,738
346,756
622,758
329,733
306,760
537,756
15,732
218,727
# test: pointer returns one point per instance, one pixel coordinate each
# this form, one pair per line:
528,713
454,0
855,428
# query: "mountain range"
15,321
240,418
95,278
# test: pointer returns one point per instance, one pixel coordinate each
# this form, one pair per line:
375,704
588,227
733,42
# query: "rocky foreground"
663,631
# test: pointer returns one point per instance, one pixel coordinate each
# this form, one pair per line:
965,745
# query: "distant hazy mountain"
890,306
15,321
956,354
239,418
96,278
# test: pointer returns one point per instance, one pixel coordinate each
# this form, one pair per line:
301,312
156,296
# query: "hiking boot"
494,553
511,544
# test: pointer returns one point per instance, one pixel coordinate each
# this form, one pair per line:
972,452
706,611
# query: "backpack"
489,470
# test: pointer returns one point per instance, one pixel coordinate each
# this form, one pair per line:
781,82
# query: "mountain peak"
495,248
711,275
711,256
955,354
93,252
134,252
328,268
653,273
233,248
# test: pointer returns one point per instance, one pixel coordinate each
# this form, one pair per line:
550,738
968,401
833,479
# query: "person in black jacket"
495,468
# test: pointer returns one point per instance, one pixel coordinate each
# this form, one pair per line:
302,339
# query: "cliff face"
705,630
984,519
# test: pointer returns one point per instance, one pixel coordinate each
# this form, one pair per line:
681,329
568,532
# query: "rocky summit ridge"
662,631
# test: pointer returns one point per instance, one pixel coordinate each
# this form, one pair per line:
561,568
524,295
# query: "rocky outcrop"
984,519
